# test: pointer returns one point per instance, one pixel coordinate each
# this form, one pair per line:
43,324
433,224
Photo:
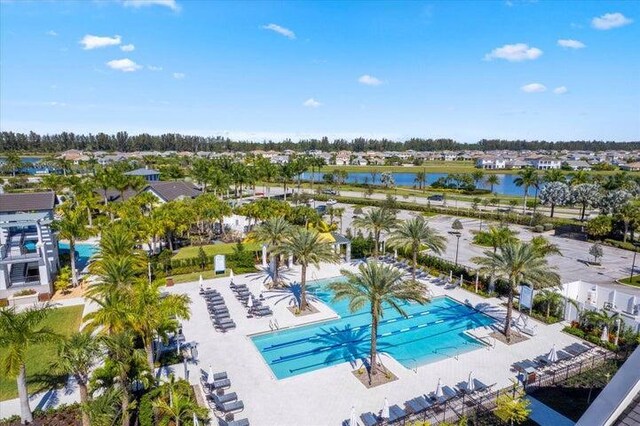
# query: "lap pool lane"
431,332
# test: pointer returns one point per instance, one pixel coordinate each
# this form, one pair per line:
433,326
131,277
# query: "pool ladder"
273,325
457,353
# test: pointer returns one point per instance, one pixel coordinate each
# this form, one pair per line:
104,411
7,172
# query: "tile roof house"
28,202
149,175
172,190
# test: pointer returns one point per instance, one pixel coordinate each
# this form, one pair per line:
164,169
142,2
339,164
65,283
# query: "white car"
331,202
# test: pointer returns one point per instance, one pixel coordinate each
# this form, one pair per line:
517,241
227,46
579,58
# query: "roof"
172,190
27,218
27,202
142,172
617,404
339,238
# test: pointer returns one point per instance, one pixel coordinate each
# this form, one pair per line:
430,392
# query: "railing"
442,349
478,404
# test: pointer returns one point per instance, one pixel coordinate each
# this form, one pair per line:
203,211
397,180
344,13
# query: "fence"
477,405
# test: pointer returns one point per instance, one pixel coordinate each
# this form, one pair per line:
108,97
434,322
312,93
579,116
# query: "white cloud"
124,65
128,48
571,44
179,75
52,33
93,42
311,103
514,53
369,80
154,68
280,30
534,88
171,4
560,90
610,20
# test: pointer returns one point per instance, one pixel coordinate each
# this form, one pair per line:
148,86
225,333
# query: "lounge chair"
225,327
223,399
216,376
221,384
229,407
417,405
369,419
396,413
219,309
241,422
220,315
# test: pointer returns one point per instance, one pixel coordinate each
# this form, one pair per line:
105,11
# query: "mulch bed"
382,377
515,337
309,311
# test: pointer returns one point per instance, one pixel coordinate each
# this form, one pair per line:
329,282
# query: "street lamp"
457,227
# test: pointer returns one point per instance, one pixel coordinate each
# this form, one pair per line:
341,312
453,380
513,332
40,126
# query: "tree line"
123,142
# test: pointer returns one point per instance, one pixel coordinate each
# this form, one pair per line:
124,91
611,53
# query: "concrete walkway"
547,416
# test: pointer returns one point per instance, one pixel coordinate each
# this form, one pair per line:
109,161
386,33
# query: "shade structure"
471,386
200,281
438,392
210,376
552,356
385,409
353,420
605,334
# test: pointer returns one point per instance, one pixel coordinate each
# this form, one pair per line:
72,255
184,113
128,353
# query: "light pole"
618,325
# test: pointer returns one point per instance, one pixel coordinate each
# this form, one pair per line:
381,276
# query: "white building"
491,163
545,163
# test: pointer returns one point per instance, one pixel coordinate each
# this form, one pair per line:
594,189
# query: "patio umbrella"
262,288
385,409
353,420
439,389
200,281
471,383
605,334
460,280
210,376
196,422
552,356
450,276
186,368
250,303
231,275
178,344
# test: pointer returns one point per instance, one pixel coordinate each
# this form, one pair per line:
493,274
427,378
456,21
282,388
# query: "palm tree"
77,355
154,314
18,332
579,177
179,409
309,248
553,175
126,364
112,316
517,263
374,286
493,180
498,236
513,409
415,235
420,179
273,232
527,177
477,176
72,226
376,221
550,299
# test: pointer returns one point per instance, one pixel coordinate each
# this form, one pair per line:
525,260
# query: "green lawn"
63,321
195,276
635,282
213,249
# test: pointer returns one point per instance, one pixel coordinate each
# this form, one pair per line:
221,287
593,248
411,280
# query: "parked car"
331,202
330,192
322,209
437,197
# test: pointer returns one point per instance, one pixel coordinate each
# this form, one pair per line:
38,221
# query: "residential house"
74,156
544,163
149,175
280,159
28,245
167,191
630,167
343,158
491,163
516,163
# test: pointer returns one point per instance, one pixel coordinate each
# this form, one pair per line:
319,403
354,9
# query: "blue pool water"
83,253
432,332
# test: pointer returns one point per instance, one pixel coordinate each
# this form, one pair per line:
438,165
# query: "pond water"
506,185
31,166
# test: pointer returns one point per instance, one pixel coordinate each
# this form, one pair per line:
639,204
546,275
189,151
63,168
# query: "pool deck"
325,396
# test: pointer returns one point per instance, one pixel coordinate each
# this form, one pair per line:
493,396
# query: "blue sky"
466,70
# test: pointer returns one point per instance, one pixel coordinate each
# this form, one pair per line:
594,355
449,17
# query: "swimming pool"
431,332
83,253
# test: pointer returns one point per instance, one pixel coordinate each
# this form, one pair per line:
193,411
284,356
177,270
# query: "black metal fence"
478,405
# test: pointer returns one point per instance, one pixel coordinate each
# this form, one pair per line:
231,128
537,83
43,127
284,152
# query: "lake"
506,185
31,166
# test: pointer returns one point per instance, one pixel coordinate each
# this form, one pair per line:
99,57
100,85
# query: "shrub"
26,292
538,228
4,302
574,331
620,244
548,226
